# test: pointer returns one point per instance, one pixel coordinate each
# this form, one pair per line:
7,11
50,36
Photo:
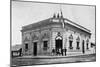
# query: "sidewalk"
38,60
52,57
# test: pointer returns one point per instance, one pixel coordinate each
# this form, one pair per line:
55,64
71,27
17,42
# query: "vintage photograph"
52,33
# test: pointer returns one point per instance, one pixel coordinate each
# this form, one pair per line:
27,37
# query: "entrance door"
35,48
58,44
83,50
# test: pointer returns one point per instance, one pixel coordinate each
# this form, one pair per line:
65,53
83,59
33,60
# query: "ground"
28,61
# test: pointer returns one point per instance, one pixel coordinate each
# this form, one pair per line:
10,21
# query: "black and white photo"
52,33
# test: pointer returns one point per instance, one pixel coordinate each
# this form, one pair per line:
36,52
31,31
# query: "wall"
75,33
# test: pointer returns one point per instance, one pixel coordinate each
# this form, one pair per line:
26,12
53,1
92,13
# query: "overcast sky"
24,13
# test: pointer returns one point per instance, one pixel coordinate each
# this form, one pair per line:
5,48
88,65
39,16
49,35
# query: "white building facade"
56,36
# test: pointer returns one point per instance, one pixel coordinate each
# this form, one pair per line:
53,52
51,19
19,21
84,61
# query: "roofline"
35,22
77,24
84,29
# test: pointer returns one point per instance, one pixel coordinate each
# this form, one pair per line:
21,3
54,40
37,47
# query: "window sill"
70,47
78,48
26,50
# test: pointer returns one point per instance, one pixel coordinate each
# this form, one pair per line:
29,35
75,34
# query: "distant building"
53,35
16,50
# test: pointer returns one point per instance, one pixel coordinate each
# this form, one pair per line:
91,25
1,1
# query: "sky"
24,13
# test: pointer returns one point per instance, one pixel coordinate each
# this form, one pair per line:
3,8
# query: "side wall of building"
36,36
66,33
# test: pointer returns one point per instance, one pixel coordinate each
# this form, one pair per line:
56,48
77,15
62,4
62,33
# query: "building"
16,50
56,35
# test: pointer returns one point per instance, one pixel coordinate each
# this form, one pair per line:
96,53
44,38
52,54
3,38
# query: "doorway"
35,48
83,50
58,43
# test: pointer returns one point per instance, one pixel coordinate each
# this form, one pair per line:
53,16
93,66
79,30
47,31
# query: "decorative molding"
87,40
59,36
71,37
45,35
26,39
35,37
78,39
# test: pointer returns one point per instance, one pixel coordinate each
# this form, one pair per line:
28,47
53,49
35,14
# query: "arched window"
87,44
26,40
70,41
45,37
78,41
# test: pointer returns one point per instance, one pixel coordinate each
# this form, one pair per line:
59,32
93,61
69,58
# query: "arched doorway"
58,42
71,42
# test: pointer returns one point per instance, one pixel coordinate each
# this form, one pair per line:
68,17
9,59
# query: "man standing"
62,52
65,51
